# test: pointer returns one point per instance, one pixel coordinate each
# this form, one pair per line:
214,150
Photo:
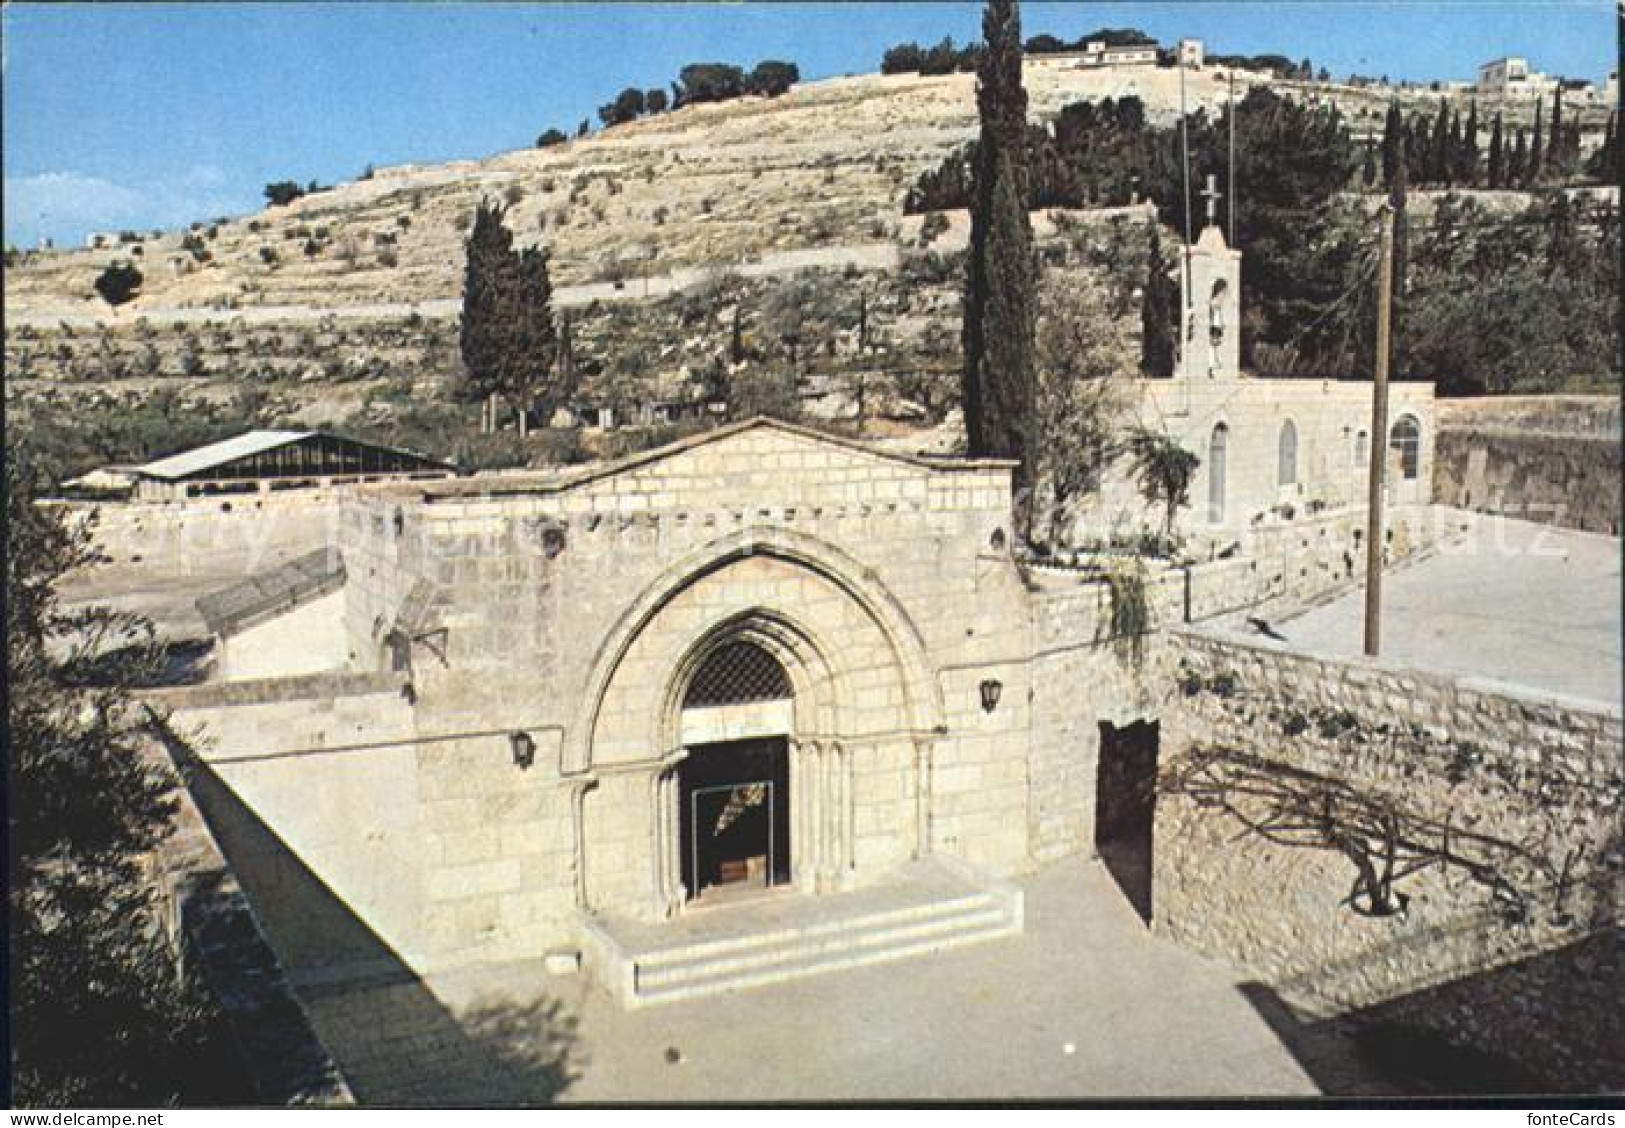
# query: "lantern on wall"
991,689
523,746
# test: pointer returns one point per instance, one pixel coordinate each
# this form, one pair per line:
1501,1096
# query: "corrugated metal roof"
189,462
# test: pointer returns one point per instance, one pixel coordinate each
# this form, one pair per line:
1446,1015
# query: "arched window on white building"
1406,441
1286,466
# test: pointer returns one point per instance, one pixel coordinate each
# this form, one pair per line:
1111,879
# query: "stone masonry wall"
1554,459
1082,675
1543,774
251,527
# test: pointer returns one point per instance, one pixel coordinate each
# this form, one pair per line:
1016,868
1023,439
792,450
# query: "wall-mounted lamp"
991,689
524,749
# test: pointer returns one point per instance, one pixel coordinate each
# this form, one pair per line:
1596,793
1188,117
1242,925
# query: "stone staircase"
924,908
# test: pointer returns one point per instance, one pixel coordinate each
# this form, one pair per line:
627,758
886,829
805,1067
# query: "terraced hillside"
351,293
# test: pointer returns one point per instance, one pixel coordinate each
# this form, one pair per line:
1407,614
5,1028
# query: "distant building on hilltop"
1097,53
1191,53
1511,77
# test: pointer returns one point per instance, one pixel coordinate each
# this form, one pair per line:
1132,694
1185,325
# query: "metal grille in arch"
734,673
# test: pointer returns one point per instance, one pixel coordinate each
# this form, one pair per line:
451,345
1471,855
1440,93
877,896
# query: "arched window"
1406,441
1286,467
1362,449
734,673
1217,448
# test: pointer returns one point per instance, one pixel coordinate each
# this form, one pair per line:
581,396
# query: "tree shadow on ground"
394,1040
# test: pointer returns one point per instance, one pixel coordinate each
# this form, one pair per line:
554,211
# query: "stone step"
769,938
839,945
860,951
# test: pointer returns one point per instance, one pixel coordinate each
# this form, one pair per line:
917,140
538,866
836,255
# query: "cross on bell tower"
1212,194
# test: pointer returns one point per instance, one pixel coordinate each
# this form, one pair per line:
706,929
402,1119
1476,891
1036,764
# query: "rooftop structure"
273,460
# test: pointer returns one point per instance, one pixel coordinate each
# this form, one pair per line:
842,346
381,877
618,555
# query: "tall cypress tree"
1518,164
1159,311
1497,170
1438,167
1000,384
507,337
1536,164
1554,148
1393,128
1467,174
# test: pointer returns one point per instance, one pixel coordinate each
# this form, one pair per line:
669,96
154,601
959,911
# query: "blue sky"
153,115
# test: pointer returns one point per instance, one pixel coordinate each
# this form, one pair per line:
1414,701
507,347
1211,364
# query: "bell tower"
1210,304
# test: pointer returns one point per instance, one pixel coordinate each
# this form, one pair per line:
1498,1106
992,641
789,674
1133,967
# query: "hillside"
349,294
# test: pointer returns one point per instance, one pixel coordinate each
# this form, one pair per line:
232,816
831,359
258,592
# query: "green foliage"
1131,609
283,192
707,82
628,105
119,283
1159,313
507,336
944,58
550,137
1000,384
1164,470
772,77
99,1014
1525,303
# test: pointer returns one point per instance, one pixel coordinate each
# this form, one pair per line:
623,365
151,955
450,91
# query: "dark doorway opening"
735,818
1125,808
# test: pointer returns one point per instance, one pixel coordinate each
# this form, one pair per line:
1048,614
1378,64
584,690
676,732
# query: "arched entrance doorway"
734,784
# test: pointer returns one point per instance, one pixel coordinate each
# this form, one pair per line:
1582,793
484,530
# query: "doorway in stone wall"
734,818
1125,808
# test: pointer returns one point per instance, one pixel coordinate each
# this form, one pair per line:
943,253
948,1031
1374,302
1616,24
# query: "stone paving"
1517,602
1087,1003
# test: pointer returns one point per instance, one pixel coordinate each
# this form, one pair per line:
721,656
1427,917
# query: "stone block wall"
1543,774
1553,459
261,530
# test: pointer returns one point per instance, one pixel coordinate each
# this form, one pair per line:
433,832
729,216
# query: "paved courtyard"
1514,601
1086,1003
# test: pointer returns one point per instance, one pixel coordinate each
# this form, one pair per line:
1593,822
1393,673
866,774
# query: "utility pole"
1379,438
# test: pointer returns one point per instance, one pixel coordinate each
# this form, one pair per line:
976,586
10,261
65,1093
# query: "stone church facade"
842,630
763,660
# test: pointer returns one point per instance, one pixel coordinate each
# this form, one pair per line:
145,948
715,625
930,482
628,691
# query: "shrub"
283,192
119,283
550,138
269,256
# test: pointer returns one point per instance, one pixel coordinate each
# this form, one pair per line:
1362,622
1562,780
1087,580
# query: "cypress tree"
1438,166
1497,168
1000,385
1554,148
1518,165
506,336
1452,151
1368,168
1393,128
1159,310
1468,172
1536,163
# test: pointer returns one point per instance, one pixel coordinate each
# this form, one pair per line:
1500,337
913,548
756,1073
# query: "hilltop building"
1097,53
1510,77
